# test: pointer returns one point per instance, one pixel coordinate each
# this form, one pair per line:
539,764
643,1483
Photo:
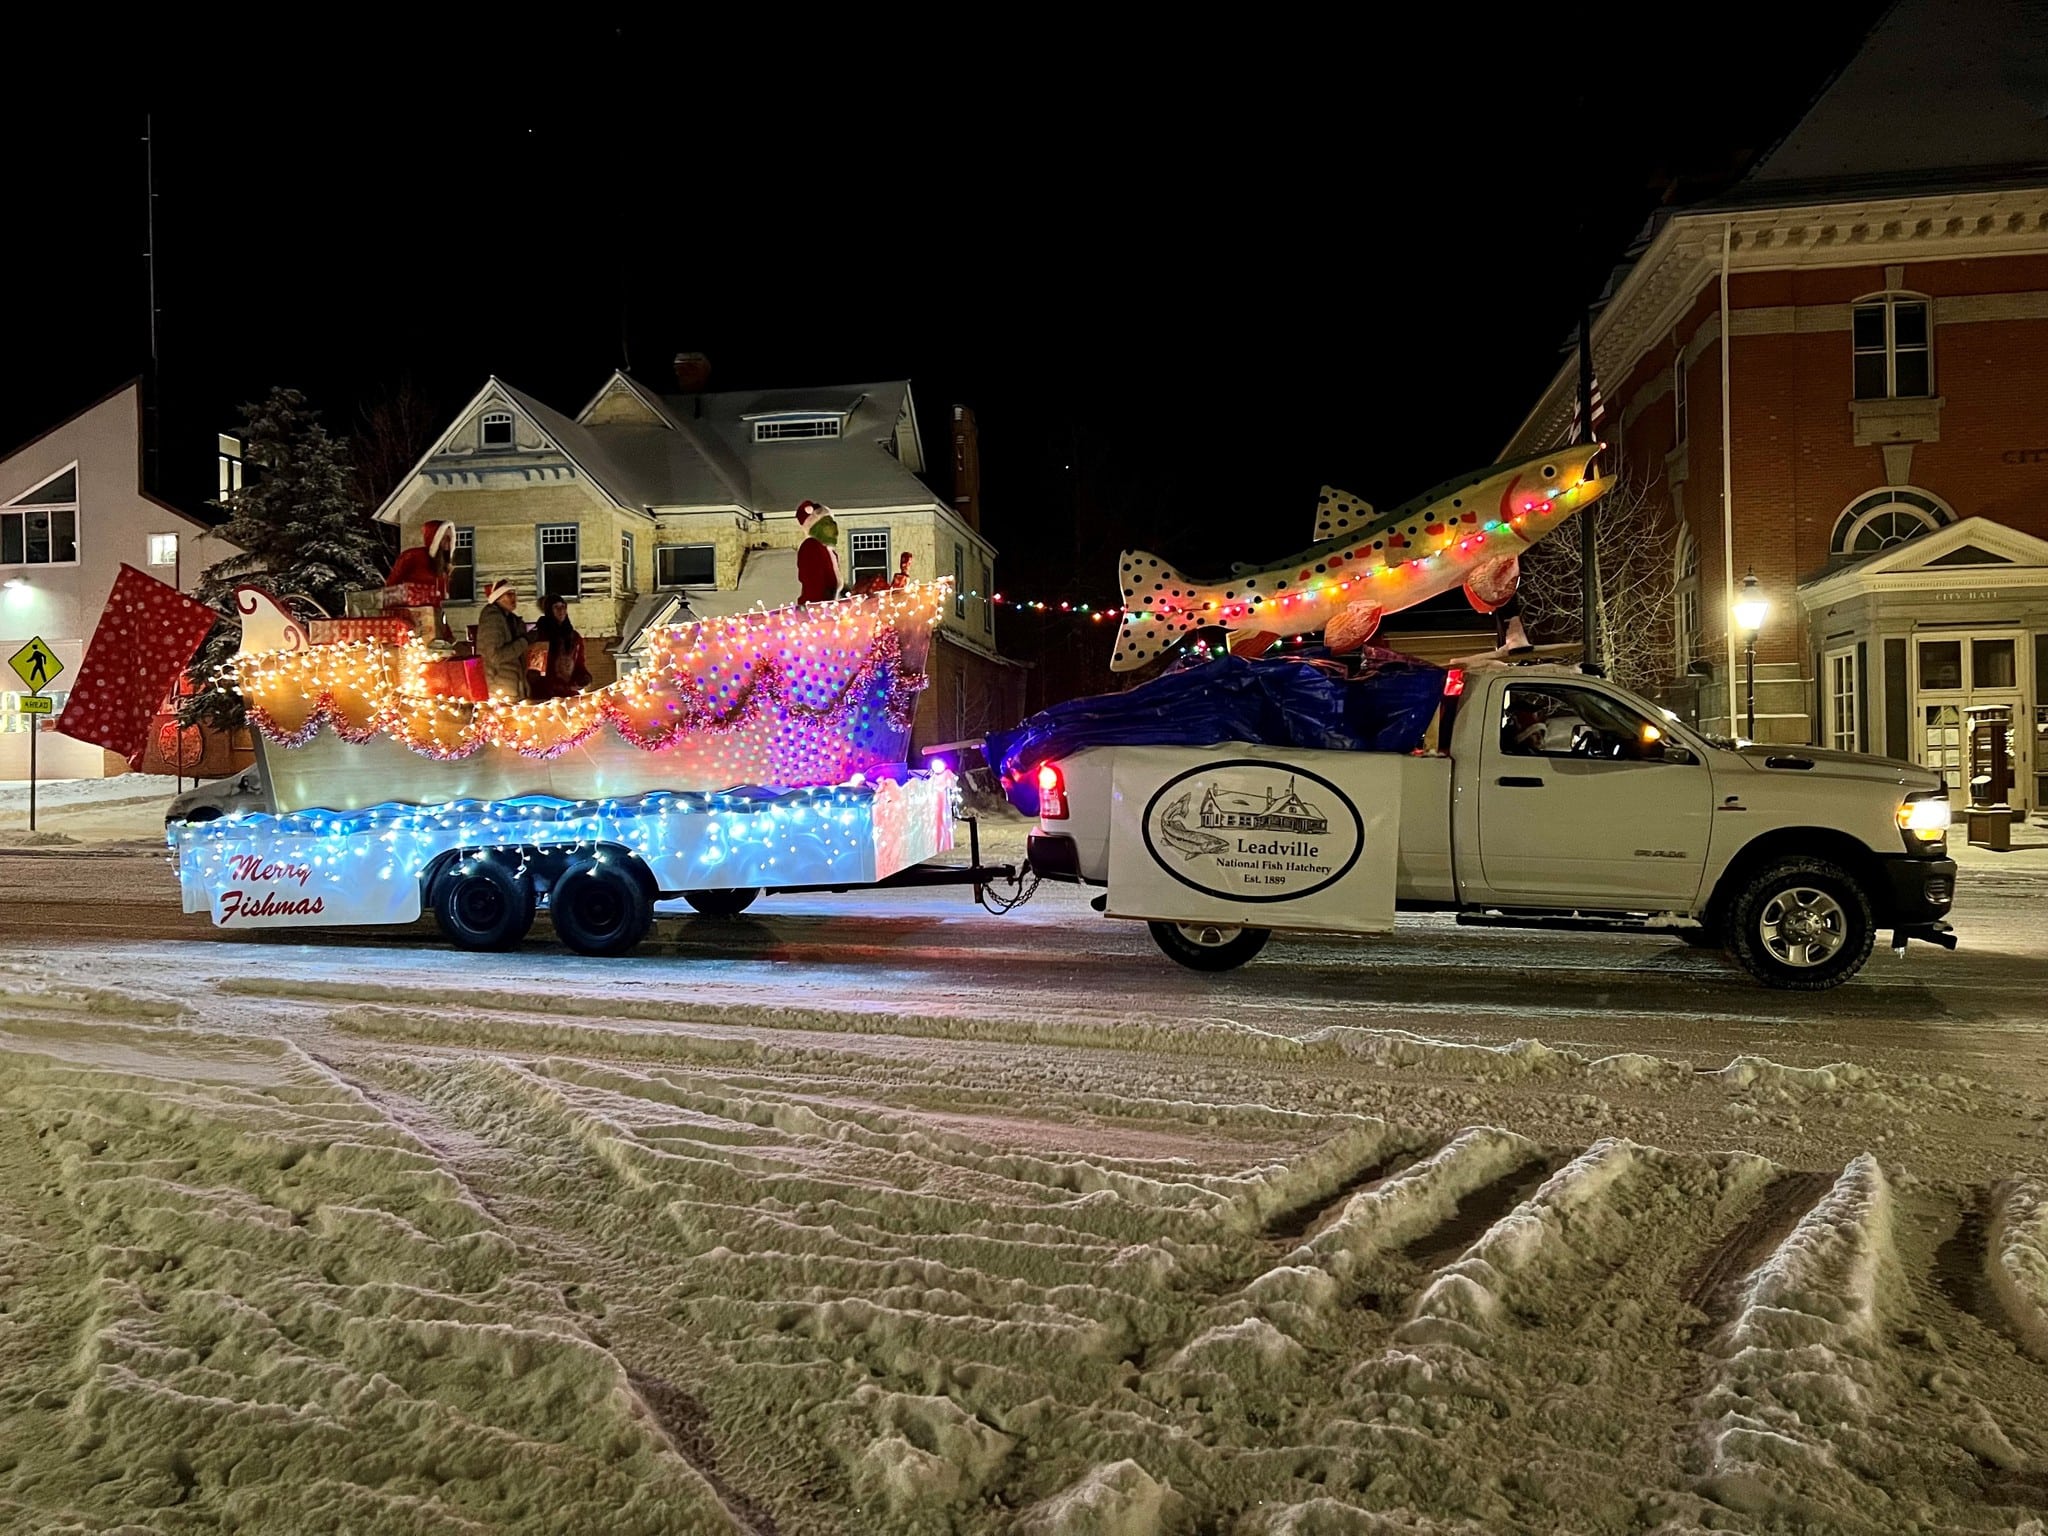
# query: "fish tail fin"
1160,607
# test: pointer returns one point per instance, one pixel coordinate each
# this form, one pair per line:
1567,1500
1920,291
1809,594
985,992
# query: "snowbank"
2017,1259
1804,1350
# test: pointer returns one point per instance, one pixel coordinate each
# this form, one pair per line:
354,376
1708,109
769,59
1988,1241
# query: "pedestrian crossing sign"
36,665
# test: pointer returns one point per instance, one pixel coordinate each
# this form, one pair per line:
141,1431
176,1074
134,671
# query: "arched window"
1685,619
1892,341
1886,517
497,429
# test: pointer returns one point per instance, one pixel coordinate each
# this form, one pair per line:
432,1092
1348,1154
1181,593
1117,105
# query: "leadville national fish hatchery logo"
1252,830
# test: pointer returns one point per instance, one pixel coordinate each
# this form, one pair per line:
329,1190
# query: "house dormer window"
774,429
1893,343
497,429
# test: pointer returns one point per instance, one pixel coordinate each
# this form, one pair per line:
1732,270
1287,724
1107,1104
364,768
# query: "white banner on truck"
1263,837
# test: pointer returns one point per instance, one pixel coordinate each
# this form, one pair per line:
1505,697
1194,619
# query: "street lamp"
1750,609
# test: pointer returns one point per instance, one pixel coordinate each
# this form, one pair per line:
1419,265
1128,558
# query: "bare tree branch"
1636,591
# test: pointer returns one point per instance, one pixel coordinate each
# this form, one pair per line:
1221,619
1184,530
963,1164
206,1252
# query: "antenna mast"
149,262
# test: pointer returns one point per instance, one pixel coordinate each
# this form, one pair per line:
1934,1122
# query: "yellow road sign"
36,704
36,664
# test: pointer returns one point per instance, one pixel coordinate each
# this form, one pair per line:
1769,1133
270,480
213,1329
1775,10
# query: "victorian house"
646,509
1873,298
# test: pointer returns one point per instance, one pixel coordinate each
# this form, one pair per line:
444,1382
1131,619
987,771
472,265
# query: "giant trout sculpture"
1468,532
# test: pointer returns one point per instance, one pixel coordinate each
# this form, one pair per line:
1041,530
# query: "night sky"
1184,273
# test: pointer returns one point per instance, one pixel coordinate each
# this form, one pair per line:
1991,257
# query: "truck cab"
1549,796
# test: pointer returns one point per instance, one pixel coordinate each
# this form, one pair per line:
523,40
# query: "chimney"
693,371
966,467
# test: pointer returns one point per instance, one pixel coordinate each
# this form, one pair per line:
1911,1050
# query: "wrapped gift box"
412,594
456,679
395,630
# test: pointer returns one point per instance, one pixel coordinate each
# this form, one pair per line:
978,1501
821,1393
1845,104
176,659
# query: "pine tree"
302,537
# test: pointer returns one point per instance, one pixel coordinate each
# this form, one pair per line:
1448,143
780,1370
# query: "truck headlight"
1926,820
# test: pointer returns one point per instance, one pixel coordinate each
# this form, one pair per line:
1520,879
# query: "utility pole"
1589,548
153,420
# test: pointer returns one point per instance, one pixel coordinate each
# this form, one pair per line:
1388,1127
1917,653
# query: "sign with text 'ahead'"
1261,837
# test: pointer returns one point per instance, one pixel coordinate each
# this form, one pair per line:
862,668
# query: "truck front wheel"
1801,923
1209,946
484,904
600,908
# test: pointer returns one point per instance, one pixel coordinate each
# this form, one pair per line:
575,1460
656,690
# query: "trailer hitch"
1930,933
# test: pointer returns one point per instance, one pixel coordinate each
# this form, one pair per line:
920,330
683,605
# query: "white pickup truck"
1545,796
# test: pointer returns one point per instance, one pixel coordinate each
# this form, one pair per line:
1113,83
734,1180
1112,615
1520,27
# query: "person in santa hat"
425,564
430,560
502,642
817,558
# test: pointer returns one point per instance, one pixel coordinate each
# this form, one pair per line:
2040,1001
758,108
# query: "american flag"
1599,415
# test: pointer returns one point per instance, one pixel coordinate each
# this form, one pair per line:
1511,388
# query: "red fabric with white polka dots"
146,636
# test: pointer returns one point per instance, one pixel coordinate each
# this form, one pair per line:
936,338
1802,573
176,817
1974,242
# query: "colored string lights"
319,868
794,696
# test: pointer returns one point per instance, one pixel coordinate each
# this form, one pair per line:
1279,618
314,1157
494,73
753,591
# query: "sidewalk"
2028,855
126,811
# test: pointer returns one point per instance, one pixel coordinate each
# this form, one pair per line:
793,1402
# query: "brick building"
1880,278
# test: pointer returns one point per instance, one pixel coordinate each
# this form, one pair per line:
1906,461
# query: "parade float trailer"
762,752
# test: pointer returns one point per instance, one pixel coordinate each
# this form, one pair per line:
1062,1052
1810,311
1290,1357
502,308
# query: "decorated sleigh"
762,752
790,698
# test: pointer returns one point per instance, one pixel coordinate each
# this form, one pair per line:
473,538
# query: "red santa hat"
437,536
808,512
497,590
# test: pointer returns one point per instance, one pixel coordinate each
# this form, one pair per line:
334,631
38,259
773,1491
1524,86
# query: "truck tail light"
1052,793
1454,683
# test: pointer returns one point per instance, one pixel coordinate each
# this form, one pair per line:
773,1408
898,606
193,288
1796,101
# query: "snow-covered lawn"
893,1217
127,809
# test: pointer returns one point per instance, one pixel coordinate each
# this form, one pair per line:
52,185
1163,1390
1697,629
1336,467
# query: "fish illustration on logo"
1175,832
1469,532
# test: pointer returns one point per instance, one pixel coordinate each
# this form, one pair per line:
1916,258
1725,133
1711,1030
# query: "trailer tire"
723,903
600,908
483,904
1209,946
1802,923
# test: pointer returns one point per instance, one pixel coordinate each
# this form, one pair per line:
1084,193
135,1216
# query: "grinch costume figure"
817,558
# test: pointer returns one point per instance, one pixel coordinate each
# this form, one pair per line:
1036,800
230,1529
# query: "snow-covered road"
883,1214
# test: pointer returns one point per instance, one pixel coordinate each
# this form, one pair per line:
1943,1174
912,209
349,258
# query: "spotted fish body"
1362,565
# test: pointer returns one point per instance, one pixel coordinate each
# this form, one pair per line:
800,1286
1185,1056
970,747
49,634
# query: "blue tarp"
1385,707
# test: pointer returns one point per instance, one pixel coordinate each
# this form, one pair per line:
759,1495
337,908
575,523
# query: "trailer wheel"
723,903
1209,946
1801,923
600,908
484,904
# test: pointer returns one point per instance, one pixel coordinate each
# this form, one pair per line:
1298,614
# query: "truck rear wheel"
1209,946
484,904
723,903
1801,923
600,908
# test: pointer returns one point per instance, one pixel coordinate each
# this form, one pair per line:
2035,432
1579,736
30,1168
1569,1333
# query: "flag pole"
1589,552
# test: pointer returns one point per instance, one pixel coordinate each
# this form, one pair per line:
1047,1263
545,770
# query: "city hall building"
1875,294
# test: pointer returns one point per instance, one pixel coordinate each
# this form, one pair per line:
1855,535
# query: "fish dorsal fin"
1339,512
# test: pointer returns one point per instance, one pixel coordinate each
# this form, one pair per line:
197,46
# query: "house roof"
133,386
850,470
1943,94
